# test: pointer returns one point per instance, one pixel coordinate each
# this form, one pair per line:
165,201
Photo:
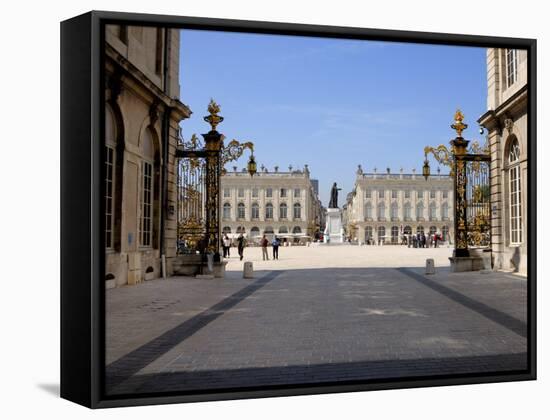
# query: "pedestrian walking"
264,243
241,243
226,246
276,242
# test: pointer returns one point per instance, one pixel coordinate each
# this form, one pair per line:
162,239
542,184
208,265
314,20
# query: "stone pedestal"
334,232
193,265
472,262
460,264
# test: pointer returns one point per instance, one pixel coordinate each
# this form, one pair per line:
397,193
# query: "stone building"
271,203
142,115
506,122
384,206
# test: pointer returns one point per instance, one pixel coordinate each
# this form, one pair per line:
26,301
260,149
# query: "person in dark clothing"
241,243
276,242
264,242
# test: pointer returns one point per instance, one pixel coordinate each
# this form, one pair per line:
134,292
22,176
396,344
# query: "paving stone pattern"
317,324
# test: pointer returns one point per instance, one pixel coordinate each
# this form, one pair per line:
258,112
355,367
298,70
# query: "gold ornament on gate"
459,126
213,118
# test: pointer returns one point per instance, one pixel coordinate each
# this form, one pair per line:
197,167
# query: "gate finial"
213,119
459,125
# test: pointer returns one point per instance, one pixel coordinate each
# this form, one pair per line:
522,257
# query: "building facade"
270,203
385,206
142,116
506,122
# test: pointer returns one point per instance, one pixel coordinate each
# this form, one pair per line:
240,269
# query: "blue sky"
331,103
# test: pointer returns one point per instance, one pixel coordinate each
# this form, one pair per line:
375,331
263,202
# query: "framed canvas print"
254,209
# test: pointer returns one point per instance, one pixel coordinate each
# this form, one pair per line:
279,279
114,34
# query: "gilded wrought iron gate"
191,204
198,197
471,171
478,203
198,187
473,201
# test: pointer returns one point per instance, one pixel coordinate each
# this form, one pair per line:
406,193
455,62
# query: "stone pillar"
497,211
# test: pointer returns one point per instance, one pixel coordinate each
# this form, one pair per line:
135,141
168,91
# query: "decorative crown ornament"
213,119
459,126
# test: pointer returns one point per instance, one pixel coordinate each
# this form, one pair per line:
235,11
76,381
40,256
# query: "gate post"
459,146
213,146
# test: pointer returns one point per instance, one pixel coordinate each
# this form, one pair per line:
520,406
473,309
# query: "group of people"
241,244
275,244
420,240
226,245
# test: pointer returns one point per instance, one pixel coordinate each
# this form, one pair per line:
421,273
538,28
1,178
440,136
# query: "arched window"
368,211
420,211
268,230
394,234
269,211
407,230
394,210
433,229
226,211
368,233
283,229
255,232
296,229
445,233
381,232
433,214
255,211
241,229
297,211
240,211
420,229
407,211
445,211
110,160
514,192
381,211
226,229
282,211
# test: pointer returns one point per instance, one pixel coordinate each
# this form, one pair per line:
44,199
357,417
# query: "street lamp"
251,165
426,168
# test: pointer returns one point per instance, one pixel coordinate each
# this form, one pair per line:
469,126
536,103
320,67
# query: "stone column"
497,211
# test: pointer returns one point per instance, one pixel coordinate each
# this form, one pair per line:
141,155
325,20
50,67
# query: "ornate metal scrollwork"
199,169
234,150
470,169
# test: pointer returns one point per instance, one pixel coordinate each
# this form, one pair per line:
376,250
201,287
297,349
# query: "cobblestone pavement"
346,314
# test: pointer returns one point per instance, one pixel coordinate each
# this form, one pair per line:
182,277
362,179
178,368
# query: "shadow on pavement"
326,372
310,287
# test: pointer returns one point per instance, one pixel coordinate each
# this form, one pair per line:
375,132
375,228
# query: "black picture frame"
82,251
